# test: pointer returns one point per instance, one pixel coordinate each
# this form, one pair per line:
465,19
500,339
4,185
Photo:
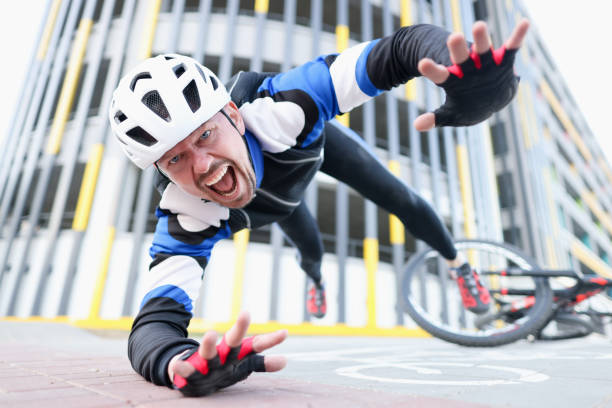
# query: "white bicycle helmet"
160,102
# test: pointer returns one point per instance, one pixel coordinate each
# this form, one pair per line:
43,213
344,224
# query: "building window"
512,236
507,197
499,139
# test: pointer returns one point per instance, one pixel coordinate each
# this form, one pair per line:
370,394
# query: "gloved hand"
209,368
480,82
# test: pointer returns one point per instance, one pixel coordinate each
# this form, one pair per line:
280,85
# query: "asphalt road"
322,371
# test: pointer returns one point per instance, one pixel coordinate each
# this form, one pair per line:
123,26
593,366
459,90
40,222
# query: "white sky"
577,34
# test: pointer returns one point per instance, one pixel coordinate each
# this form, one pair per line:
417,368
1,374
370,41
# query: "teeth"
218,176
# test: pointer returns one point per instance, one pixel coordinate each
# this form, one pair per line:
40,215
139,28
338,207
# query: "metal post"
146,181
311,195
342,201
89,177
202,37
20,108
37,141
276,233
261,13
57,130
39,55
449,151
370,241
225,66
22,135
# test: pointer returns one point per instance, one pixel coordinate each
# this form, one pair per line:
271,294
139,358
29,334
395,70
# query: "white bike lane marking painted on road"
525,375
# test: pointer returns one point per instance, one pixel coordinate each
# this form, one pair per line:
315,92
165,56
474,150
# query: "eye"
205,135
174,160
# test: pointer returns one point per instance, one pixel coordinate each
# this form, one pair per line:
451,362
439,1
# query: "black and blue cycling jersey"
288,141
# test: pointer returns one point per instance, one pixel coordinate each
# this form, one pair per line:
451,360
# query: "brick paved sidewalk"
49,368
32,376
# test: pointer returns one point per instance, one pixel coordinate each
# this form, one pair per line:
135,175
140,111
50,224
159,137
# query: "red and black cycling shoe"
315,303
475,296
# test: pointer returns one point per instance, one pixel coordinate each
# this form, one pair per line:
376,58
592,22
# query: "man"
243,158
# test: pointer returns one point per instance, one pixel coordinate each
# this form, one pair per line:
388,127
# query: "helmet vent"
153,101
139,135
119,139
142,75
168,57
201,73
179,70
213,81
120,117
191,96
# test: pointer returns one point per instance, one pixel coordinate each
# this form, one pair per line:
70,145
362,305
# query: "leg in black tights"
347,158
302,231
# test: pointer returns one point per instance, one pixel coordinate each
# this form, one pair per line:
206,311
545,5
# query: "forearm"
394,59
155,338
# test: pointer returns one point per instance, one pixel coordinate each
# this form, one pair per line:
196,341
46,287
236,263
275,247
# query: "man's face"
213,162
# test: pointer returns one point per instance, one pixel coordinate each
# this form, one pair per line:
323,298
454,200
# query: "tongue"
226,184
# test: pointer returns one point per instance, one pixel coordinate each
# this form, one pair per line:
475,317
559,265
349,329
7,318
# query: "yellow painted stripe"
588,257
96,302
531,113
552,207
456,11
69,86
465,182
565,120
261,6
410,90
342,37
591,201
200,326
396,227
370,257
149,32
551,253
241,241
46,36
606,169
394,167
343,119
405,13
88,188
523,117
397,235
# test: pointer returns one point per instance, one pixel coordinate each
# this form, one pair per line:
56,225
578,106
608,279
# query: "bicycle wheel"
565,326
520,305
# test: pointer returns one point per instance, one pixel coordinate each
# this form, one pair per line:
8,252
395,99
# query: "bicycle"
526,300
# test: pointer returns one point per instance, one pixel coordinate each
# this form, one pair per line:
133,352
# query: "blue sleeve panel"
170,291
198,244
314,80
361,72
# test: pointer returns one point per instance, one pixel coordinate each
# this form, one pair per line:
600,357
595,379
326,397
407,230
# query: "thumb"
425,122
274,363
183,369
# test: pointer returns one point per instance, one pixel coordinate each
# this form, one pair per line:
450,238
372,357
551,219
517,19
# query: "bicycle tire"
581,327
534,319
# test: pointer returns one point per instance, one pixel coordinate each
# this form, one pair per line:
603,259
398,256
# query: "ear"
234,113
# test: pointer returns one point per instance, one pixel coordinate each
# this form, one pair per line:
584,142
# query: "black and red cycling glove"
478,87
229,366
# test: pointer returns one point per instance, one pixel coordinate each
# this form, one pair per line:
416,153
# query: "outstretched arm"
210,367
480,82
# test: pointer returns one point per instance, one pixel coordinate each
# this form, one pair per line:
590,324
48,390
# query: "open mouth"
223,182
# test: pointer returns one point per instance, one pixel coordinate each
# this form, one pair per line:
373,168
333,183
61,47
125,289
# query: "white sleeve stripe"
180,270
342,71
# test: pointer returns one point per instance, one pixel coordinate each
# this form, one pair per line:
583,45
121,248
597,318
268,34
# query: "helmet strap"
241,134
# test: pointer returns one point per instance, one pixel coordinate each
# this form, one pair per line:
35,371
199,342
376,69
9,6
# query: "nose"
201,161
